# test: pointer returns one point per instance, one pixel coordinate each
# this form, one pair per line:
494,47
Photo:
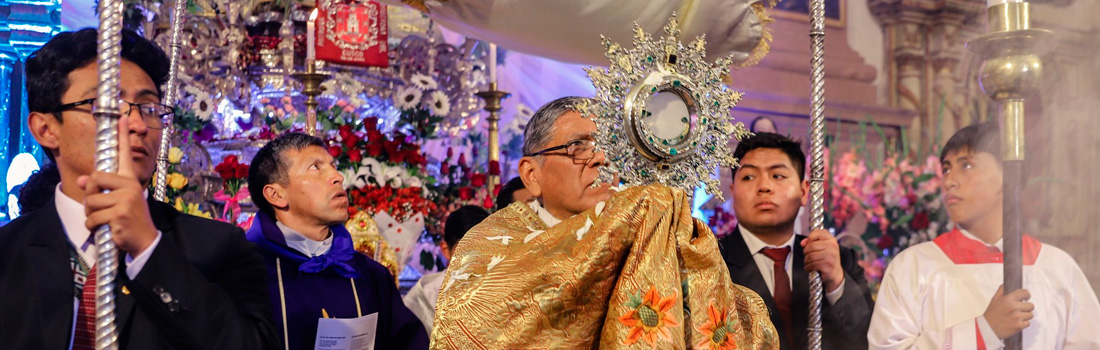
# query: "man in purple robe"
313,269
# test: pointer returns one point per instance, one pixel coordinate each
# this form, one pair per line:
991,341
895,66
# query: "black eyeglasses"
576,149
154,114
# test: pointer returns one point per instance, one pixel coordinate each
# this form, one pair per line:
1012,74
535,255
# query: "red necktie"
84,338
782,293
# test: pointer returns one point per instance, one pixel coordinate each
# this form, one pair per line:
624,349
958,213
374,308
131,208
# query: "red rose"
230,159
477,180
374,149
220,167
334,151
488,203
355,156
370,124
444,169
912,199
351,141
345,131
226,173
374,136
465,193
885,242
462,160
919,222
397,157
450,152
390,146
242,172
494,167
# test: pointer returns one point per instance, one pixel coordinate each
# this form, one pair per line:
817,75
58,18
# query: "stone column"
924,41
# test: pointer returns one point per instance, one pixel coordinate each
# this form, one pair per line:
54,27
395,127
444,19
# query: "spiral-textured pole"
817,151
106,160
171,90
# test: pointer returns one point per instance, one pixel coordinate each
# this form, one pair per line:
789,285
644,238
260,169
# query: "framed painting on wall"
835,11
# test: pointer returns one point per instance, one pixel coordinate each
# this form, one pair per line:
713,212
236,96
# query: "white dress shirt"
767,265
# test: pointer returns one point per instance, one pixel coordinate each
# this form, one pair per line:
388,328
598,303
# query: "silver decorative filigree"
640,146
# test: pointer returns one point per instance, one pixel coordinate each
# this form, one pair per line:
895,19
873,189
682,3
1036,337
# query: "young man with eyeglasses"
183,281
582,268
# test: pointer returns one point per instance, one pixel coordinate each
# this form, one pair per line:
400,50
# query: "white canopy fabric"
569,30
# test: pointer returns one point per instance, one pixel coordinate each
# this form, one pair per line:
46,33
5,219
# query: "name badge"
346,333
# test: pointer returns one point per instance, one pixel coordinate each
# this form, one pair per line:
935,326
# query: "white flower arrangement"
203,105
423,82
373,172
407,98
438,103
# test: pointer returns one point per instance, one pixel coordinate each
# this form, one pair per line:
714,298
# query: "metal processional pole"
107,113
170,94
1011,72
817,151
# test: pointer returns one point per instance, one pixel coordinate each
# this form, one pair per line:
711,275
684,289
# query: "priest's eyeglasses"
576,149
154,114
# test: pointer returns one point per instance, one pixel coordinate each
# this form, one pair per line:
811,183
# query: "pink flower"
341,103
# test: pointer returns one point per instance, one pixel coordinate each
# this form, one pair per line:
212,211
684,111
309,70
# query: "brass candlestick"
1011,73
311,87
493,98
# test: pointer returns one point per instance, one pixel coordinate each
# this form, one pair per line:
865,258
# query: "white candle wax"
991,3
311,38
492,63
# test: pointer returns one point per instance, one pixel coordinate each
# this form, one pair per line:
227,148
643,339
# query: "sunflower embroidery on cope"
650,317
718,330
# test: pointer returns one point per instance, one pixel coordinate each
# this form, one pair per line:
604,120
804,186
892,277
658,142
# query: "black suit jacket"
844,324
203,287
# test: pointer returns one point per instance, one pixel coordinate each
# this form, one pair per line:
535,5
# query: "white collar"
999,244
303,244
549,219
73,217
756,245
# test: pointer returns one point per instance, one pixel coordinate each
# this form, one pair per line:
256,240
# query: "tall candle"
991,3
492,63
311,38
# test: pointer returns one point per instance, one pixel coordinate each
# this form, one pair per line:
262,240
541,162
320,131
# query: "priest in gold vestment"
582,268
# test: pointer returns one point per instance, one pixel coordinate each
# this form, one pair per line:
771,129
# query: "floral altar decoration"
880,205
234,187
178,186
387,179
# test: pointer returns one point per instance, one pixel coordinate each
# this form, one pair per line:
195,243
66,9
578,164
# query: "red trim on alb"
962,250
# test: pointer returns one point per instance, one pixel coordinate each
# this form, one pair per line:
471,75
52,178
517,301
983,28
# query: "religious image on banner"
352,33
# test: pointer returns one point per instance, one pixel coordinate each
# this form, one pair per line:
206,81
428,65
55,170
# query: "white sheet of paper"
346,333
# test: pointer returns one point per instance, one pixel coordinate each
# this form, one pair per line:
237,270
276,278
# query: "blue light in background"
25,25
22,166
697,201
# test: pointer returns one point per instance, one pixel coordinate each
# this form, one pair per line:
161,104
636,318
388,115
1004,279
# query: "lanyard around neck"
282,299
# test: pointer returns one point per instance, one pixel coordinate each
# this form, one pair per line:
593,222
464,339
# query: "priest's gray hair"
541,128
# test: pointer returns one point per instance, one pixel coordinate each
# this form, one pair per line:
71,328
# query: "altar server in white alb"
947,294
